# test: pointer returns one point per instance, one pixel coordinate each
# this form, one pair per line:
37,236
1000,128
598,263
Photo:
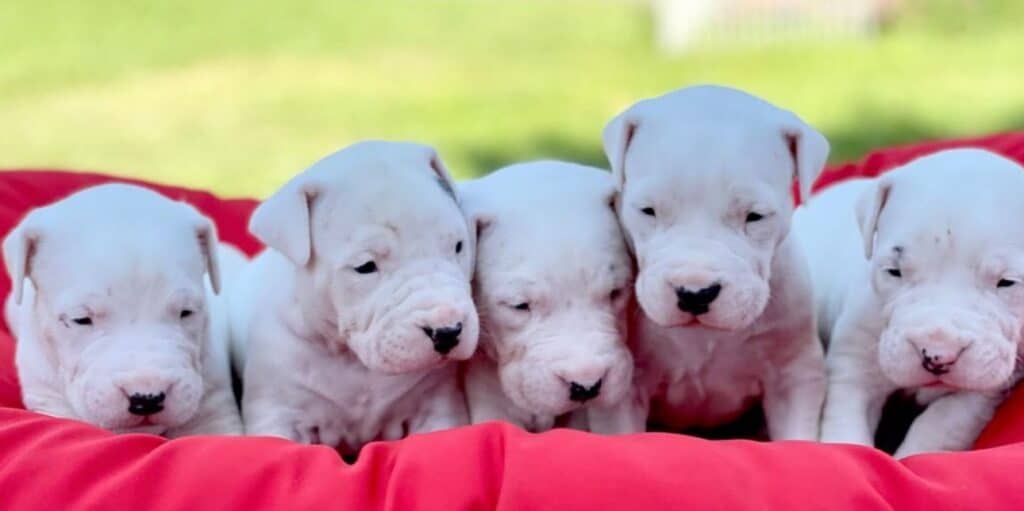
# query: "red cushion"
48,463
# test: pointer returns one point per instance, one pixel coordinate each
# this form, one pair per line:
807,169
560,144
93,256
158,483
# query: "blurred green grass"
237,96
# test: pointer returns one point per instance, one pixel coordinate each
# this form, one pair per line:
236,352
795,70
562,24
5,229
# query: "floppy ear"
283,221
445,177
617,135
477,219
612,199
809,150
19,247
206,234
869,208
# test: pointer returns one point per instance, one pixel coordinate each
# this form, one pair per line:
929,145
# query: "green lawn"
239,95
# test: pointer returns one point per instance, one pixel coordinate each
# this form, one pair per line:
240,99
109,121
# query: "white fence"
682,24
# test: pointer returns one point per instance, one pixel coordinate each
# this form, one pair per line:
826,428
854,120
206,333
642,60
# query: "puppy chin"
152,429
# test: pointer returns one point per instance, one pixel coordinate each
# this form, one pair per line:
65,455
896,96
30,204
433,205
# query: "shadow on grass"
876,127
549,146
873,128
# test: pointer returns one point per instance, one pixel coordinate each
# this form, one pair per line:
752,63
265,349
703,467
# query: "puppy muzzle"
433,321
956,348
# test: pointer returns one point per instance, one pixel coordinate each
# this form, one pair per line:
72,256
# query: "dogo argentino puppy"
117,325
552,284
918,275
351,315
705,175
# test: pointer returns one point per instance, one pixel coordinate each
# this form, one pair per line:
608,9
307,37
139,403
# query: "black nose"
582,394
934,363
444,339
145,404
697,302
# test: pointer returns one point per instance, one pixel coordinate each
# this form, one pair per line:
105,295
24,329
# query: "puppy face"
705,175
383,252
949,278
553,295
119,303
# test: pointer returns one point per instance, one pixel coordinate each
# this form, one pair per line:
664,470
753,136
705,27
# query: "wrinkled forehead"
132,267
683,155
409,206
575,251
949,227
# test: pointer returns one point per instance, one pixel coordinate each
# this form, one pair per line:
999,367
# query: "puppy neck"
315,317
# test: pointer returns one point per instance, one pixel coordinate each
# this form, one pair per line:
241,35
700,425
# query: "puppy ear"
617,135
206,234
477,219
809,150
444,177
283,221
19,247
869,209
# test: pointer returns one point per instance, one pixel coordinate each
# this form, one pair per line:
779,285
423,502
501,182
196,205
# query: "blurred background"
239,95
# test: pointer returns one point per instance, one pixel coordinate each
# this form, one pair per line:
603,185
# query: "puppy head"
552,282
705,175
119,303
947,264
383,254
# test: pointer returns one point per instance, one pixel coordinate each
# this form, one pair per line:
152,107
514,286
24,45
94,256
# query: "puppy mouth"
697,322
146,425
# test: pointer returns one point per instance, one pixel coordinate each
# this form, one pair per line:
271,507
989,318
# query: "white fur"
549,241
130,261
704,158
341,358
955,216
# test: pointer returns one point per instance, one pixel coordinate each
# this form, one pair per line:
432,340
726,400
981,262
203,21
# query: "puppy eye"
525,306
615,294
754,217
1005,283
894,272
367,267
186,313
648,211
83,321
458,248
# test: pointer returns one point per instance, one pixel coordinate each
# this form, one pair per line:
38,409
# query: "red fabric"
48,463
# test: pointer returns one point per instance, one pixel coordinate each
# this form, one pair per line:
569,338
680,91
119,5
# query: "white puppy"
920,290
117,325
552,283
364,295
706,176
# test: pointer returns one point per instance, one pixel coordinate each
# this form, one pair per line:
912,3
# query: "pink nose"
939,348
